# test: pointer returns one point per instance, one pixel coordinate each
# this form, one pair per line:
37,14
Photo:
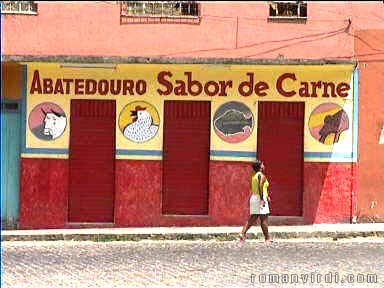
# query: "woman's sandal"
242,237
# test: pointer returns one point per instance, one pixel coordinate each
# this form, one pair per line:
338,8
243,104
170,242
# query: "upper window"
288,10
160,11
18,7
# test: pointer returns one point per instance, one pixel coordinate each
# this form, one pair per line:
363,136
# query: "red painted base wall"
44,194
328,193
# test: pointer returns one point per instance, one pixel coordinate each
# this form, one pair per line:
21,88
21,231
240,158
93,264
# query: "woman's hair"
257,165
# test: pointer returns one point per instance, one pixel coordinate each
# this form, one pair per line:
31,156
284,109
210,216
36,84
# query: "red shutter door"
186,157
281,147
92,161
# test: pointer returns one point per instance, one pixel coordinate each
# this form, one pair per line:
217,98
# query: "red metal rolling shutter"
281,148
92,161
186,157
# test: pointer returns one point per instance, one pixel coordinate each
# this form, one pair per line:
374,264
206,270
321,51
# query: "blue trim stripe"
139,152
66,151
45,151
232,153
356,77
2,147
329,155
24,109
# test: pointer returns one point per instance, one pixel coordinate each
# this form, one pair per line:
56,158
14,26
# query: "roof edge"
167,60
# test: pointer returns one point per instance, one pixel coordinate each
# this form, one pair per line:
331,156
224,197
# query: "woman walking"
258,202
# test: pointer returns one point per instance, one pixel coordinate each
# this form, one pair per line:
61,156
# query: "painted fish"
232,122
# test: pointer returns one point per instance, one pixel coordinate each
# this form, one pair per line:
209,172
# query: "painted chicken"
142,128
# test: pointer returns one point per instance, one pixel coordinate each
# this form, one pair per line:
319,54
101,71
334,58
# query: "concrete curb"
105,237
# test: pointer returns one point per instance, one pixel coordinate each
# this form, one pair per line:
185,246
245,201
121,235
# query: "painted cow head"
54,124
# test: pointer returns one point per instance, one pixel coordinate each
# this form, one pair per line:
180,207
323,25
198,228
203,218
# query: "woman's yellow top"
255,184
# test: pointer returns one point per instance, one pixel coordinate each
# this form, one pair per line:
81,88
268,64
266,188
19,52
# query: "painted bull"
334,124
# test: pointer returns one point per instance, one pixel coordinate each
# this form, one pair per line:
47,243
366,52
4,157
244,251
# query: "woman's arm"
261,188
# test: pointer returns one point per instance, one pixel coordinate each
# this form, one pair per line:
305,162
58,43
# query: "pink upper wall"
94,29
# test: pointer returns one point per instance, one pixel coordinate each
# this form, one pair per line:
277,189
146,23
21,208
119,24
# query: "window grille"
160,11
18,7
289,10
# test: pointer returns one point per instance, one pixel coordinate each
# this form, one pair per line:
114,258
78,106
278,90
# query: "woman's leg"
264,227
251,221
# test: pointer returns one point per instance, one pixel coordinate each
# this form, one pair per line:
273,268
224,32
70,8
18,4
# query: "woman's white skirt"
254,205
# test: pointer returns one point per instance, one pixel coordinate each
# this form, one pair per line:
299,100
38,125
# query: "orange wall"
93,28
370,200
11,74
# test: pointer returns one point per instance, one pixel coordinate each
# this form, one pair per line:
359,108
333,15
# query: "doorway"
92,161
186,157
280,145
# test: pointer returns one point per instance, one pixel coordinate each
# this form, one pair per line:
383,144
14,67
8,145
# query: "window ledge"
160,16
287,19
19,12
154,19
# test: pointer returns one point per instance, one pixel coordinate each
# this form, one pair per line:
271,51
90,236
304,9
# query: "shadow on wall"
327,192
